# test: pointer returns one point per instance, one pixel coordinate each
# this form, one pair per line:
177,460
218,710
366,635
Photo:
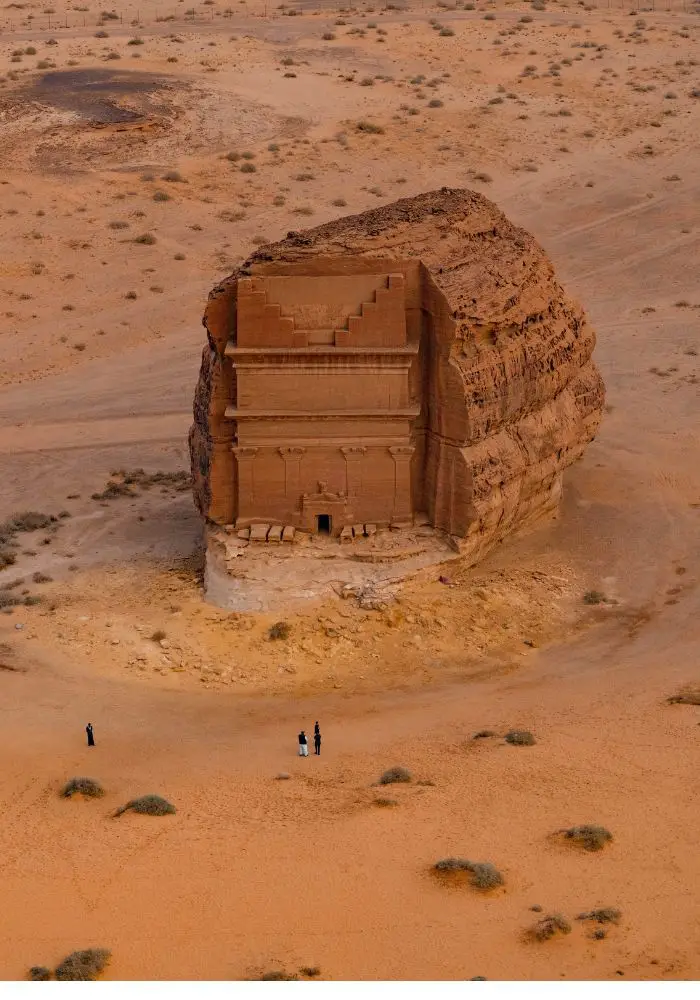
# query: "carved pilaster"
403,508
245,458
292,471
353,469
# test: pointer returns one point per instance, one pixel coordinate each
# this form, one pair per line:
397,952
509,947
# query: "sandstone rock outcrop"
417,359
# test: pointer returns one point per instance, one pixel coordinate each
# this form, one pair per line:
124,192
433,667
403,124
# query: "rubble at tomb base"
418,364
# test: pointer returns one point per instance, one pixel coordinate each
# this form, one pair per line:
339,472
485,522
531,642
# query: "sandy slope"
253,873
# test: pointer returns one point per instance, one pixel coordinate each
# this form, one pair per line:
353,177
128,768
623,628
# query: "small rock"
114,642
536,908
19,626
282,776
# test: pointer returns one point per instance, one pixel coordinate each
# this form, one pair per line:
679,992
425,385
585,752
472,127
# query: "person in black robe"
90,735
317,740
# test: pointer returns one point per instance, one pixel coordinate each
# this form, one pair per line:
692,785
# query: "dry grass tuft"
83,965
148,805
520,738
688,695
589,837
548,927
395,775
484,874
88,787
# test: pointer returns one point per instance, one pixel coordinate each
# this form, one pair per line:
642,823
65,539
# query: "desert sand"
126,192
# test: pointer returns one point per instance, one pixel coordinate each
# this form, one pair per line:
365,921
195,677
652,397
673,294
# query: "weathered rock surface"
509,395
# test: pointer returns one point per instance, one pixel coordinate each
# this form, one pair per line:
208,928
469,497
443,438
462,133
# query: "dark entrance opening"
323,524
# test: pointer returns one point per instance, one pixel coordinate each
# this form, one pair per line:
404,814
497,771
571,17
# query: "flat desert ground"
142,155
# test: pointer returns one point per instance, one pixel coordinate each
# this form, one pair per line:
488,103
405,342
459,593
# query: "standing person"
317,741
303,745
90,735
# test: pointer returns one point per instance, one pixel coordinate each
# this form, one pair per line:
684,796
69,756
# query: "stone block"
274,535
243,533
370,529
358,530
288,533
346,534
258,532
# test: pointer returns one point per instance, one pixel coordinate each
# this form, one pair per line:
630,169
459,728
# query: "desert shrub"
435,103
484,734
689,695
485,178
484,874
39,974
385,802
328,36
161,196
277,977
248,167
310,971
88,787
589,837
604,915
280,630
396,775
158,635
548,926
370,128
7,558
83,965
339,202
520,738
28,520
173,177
446,33
594,597
41,577
148,805
145,239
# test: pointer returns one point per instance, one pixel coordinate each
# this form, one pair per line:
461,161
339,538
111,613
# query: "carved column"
353,469
292,473
403,508
246,486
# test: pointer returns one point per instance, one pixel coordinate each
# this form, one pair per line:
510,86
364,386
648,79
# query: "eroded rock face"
478,392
